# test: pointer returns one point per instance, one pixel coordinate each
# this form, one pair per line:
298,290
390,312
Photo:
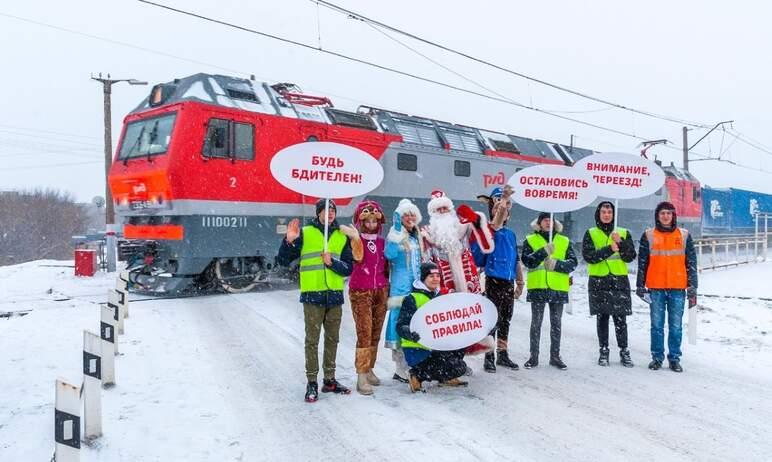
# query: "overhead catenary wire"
388,69
357,16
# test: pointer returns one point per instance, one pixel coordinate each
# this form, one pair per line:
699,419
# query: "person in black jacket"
549,264
426,364
607,252
321,290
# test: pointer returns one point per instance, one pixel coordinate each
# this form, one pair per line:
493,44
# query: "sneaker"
531,363
454,383
312,392
624,357
414,383
489,365
333,386
557,362
675,366
655,365
399,378
603,358
504,361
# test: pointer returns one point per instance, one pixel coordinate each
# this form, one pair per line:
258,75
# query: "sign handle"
551,225
326,221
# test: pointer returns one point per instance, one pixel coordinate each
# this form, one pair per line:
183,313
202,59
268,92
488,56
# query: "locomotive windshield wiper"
134,146
151,139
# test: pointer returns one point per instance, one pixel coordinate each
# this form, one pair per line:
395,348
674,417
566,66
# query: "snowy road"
221,378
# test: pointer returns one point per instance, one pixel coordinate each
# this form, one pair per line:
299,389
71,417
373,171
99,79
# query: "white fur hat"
406,206
439,199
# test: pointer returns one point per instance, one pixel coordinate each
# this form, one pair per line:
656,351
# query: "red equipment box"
85,262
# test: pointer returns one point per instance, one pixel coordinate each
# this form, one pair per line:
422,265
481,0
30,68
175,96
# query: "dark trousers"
441,366
620,329
502,293
537,314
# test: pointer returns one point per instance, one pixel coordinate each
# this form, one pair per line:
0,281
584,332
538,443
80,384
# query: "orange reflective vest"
667,259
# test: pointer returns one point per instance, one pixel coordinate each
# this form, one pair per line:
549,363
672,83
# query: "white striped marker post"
67,422
122,286
108,347
114,302
92,390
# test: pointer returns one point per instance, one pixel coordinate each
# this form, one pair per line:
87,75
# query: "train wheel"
236,275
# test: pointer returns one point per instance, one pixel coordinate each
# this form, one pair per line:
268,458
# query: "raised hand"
293,230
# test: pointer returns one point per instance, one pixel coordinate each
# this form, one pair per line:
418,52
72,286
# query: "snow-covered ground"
221,378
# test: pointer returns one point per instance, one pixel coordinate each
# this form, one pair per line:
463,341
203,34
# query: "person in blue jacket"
404,251
503,275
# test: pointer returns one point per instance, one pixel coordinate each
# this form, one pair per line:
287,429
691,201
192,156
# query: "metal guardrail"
723,252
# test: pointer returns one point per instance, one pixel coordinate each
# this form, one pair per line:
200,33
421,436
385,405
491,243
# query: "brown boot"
362,360
414,383
371,377
454,383
363,386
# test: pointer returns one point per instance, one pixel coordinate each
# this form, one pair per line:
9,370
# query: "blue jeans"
672,301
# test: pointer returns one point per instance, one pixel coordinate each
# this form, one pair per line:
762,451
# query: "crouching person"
425,364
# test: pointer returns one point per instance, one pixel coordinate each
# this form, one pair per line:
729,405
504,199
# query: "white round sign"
454,321
552,188
325,169
622,176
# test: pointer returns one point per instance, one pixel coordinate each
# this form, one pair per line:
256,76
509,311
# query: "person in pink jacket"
368,290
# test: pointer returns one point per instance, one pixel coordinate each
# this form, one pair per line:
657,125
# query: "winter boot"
454,383
333,386
489,365
655,365
399,378
414,383
504,361
373,379
624,357
312,392
675,366
603,358
532,362
363,385
556,361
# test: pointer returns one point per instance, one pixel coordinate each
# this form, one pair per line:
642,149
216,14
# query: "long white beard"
447,232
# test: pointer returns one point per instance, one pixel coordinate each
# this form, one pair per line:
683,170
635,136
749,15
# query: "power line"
387,69
360,17
66,164
37,130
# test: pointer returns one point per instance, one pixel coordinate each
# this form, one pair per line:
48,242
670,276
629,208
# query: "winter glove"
467,215
414,337
550,263
397,222
549,248
691,294
643,294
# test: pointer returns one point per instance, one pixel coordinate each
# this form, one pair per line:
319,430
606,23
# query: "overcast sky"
701,61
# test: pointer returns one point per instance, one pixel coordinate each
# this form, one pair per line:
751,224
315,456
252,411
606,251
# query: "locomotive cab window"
407,162
462,168
147,137
227,139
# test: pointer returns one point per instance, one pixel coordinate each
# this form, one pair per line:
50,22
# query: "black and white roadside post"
108,347
114,301
67,422
92,390
122,286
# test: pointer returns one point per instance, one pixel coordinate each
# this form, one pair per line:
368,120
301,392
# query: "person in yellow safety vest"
607,251
322,276
425,364
548,264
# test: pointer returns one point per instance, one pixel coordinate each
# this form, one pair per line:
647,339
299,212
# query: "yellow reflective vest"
314,275
539,277
612,264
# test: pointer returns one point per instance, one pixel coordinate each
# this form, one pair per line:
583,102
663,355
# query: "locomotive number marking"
233,181
224,222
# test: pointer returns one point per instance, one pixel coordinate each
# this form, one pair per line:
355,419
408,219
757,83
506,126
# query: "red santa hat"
439,199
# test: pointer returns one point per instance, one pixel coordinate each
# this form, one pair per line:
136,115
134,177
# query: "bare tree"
38,224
